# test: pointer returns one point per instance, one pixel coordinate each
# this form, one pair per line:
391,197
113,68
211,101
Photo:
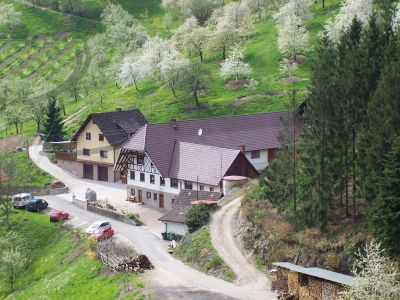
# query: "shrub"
198,216
135,218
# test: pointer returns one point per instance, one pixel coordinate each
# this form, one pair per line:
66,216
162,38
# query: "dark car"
36,205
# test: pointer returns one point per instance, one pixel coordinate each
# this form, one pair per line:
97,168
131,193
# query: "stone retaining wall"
110,214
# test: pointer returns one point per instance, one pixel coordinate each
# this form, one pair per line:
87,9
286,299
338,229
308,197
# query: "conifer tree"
53,129
384,213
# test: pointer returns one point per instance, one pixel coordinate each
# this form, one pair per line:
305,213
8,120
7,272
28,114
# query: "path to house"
224,240
171,279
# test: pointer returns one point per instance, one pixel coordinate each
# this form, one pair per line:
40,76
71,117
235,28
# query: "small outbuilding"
175,219
308,283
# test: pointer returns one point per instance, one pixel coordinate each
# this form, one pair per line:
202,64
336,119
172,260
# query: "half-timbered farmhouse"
160,160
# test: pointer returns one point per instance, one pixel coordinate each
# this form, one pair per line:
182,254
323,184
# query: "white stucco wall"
259,163
177,228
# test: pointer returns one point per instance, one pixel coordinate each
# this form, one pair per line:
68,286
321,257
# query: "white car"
96,225
21,200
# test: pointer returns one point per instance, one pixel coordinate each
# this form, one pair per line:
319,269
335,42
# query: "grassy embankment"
59,267
197,251
157,102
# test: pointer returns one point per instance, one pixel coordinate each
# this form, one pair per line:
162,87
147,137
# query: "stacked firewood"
286,296
134,264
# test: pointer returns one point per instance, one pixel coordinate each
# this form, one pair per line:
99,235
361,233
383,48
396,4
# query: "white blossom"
396,19
360,9
299,8
292,36
173,71
131,72
9,17
234,66
375,277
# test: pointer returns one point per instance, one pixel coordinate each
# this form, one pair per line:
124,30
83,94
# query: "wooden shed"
308,283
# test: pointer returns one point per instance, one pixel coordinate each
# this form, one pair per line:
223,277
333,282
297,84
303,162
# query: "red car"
58,215
103,233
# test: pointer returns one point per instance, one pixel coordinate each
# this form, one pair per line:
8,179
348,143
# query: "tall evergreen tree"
384,213
316,170
53,129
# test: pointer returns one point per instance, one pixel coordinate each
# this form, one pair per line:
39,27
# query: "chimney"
173,123
242,148
118,108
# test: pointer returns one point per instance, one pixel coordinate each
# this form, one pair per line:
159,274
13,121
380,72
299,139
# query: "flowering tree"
224,36
396,19
173,71
234,66
9,17
375,277
131,72
201,9
292,36
360,9
299,8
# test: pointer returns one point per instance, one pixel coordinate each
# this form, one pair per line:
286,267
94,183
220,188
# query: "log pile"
134,264
293,283
315,287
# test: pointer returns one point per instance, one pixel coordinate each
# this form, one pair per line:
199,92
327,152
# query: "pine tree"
53,129
384,213
316,178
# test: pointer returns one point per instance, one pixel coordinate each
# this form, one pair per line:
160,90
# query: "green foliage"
60,269
53,128
198,216
196,249
384,213
28,174
135,218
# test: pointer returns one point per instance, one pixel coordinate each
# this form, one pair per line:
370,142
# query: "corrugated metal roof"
317,272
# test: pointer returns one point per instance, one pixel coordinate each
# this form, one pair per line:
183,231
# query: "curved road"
171,279
223,238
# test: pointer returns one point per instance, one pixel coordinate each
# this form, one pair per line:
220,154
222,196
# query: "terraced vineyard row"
43,60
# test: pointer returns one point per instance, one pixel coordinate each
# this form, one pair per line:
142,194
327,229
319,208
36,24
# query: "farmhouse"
308,283
94,147
160,160
175,219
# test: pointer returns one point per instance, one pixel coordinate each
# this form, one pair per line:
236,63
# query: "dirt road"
224,241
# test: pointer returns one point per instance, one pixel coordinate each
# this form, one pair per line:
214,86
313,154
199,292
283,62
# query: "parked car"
103,233
20,200
57,215
96,225
36,205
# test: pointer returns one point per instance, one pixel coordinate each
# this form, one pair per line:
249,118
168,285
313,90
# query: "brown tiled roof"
183,204
255,131
202,163
116,126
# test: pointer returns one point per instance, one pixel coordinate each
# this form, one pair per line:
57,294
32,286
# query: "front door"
140,196
102,173
87,171
161,204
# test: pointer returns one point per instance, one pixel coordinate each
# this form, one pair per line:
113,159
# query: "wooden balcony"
70,156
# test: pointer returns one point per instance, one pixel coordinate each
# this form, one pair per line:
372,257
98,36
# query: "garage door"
102,173
87,171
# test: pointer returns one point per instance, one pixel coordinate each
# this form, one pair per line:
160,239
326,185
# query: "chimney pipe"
118,108
173,123
242,148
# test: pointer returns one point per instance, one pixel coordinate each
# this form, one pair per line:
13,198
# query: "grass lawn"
59,267
28,174
197,251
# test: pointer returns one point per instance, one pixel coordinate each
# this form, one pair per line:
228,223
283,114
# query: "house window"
155,196
201,187
188,185
132,191
103,154
174,183
140,160
152,179
255,154
148,194
88,136
162,181
142,177
303,279
101,137
211,189
86,152
132,175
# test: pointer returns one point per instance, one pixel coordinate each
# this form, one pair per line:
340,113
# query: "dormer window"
88,136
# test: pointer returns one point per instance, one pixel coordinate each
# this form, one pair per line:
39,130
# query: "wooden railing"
66,156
